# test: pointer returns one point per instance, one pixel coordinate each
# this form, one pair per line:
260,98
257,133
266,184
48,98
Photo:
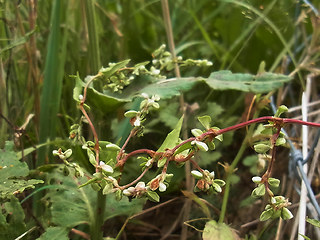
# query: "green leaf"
305,237
11,219
55,233
78,88
153,196
259,191
13,173
173,137
218,231
280,110
314,222
170,87
161,162
274,182
262,83
261,148
71,206
196,132
280,141
104,102
205,121
265,215
107,72
18,41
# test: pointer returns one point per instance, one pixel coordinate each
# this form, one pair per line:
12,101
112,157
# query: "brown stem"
135,181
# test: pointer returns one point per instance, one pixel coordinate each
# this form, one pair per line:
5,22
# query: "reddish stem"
95,135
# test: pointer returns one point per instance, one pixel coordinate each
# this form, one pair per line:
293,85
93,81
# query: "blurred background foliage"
43,43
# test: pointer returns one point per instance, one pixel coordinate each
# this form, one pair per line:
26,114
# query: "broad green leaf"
170,87
11,219
13,173
71,206
103,102
55,233
205,121
262,83
218,231
172,138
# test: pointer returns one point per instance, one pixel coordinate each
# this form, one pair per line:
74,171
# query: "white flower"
106,167
162,187
137,122
80,97
256,179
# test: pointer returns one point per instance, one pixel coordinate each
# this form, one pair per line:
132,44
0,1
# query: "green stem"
228,180
96,231
232,167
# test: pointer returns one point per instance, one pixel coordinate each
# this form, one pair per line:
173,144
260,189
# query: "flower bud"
286,214
162,187
196,174
256,179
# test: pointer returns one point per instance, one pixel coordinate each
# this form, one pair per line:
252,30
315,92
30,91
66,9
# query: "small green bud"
281,110
107,189
130,114
259,191
280,141
68,153
168,177
196,132
261,148
118,195
201,145
286,214
128,192
220,182
265,215
196,174
216,187
274,182
106,168
112,146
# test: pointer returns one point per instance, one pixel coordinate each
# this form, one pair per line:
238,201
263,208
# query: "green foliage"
218,231
55,233
71,206
11,219
13,173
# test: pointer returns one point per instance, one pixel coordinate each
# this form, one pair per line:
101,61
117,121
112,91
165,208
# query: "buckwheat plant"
109,159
